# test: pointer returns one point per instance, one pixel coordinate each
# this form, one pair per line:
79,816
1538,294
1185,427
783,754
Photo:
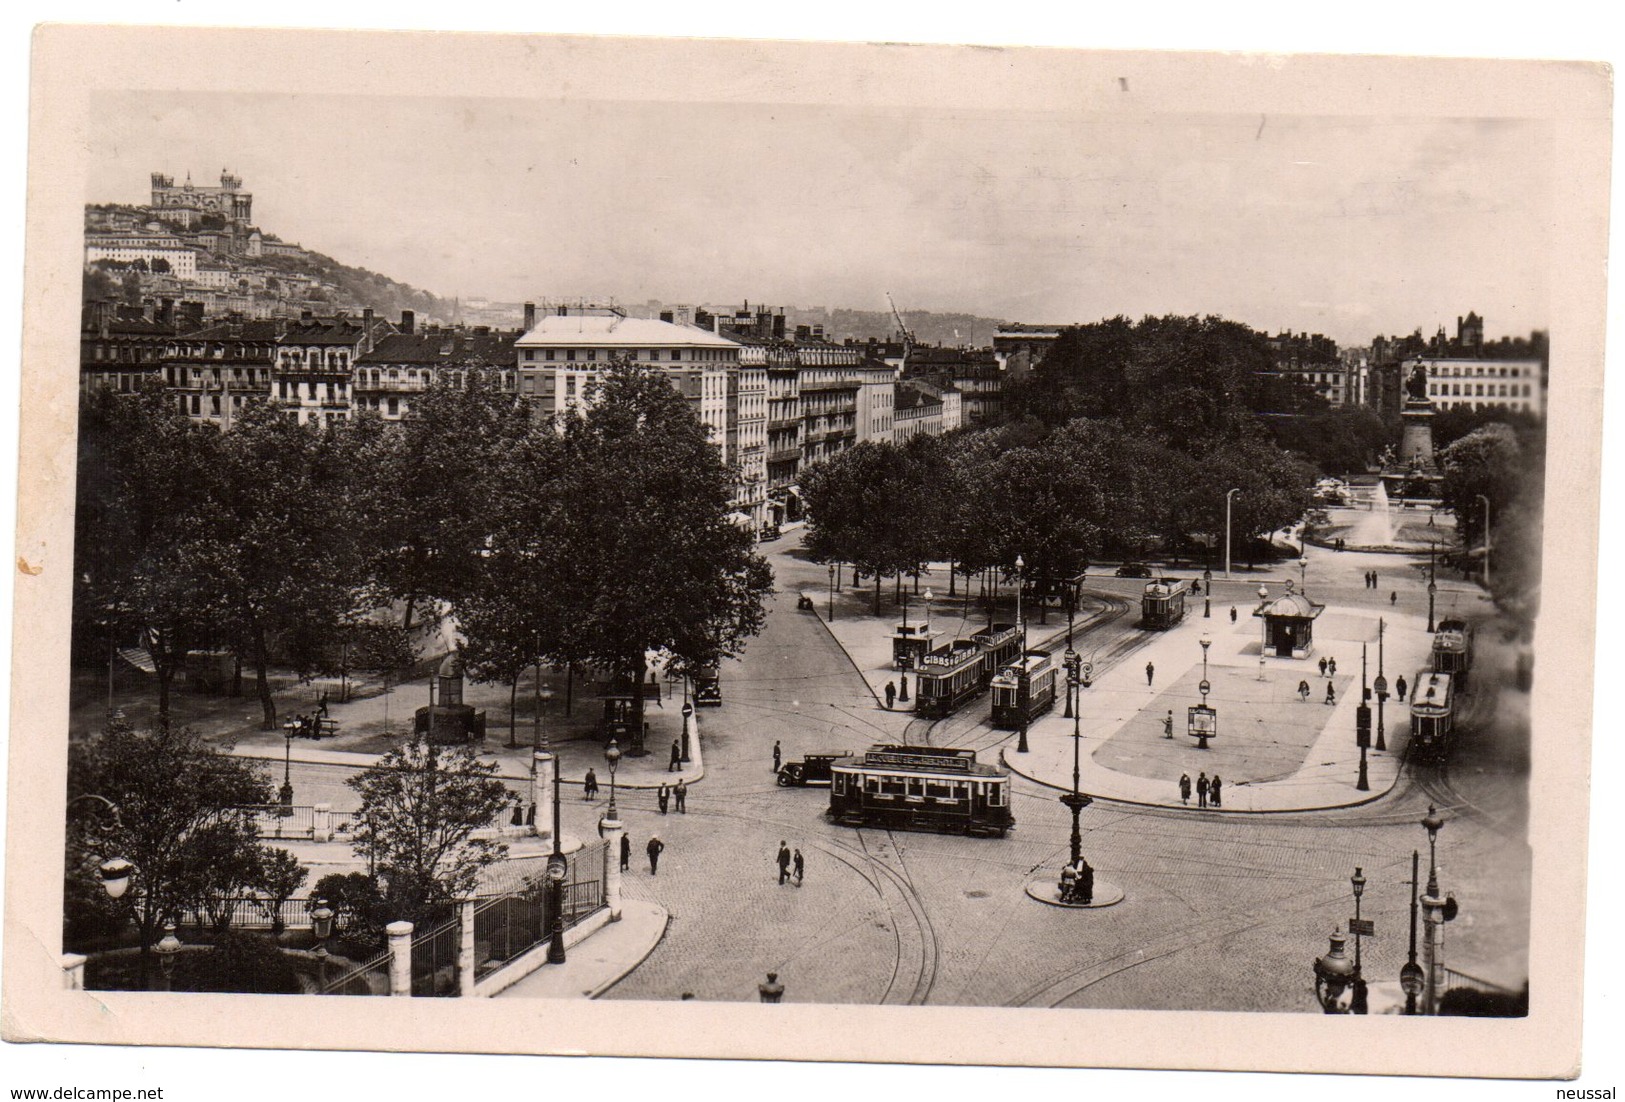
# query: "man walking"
589,786
663,797
1185,788
1232,614
676,757
776,758
1150,672
1168,725
891,694
681,792
1393,598
801,867
1201,790
1323,667
1331,666
784,862
1331,694
626,852
1213,789
654,849
1399,687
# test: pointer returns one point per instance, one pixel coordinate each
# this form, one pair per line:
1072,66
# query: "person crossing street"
1213,789
784,862
1201,790
626,852
680,794
655,848
801,867
1185,788
1150,672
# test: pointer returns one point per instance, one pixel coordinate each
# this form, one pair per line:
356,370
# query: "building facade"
401,366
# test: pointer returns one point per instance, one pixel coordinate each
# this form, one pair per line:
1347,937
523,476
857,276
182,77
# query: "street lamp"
1411,979
557,866
1075,801
1072,663
1207,592
1362,726
1433,587
832,592
321,926
1229,494
285,794
1201,720
1381,686
1333,974
928,596
612,755
1022,686
688,718
1358,1004
167,948
1303,574
1436,910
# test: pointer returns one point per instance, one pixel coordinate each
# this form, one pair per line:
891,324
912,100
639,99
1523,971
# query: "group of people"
1209,791
679,793
786,862
1078,882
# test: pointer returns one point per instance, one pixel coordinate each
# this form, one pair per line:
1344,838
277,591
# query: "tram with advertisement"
1453,649
1024,690
948,678
999,644
921,788
1162,606
1433,721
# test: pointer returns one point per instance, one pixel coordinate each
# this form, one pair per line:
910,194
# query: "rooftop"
615,331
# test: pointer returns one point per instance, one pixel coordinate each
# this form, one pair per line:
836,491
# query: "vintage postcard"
821,551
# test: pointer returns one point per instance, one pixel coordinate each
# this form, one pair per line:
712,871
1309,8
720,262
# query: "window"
592,354
654,354
995,794
394,406
569,353
549,354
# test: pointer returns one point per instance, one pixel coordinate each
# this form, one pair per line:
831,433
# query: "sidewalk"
596,963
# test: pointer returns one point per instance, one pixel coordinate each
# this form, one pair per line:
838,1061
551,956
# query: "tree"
278,877
420,806
177,817
644,557
1493,463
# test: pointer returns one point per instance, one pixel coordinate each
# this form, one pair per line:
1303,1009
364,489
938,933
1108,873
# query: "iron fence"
250,913
507,926
1459,981
434,959
276,821
369,978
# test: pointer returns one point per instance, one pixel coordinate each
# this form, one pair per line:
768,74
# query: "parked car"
769,532
1134,570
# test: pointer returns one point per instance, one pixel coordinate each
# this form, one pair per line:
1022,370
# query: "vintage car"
812,769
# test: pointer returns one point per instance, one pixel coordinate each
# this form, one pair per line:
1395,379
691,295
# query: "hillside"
361,287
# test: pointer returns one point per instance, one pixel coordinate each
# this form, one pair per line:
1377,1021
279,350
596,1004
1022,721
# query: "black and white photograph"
791,550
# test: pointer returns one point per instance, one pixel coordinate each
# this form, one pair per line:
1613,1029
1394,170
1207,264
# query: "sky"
1346,226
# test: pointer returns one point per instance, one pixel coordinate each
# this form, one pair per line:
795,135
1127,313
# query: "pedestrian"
1196,586
1201,790
1303,692
776,757
1331,694
1213,789
1399,686
1184,788
1331,666
681,793
676,757
784,862
589,786
1393,598
1168,725
654,849
321,705
891,693
518,819
1232,614
801,867
626,852
1086,882
1150,672
1323,667
663,796
902,691
530,815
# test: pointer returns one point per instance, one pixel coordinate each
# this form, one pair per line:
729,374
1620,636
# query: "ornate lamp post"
321,925
1075,801
1334,972
1362,726
612,755
1436,911
1207,593
772,991
1358,1004
1022,687
688,718
1381,687
167,948
832,573
1433,587
1411,979
1303,574
1202,721
285,794
558,867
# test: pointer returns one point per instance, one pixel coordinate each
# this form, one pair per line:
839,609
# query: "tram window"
995,795
939,791
871,784
916,787
892,786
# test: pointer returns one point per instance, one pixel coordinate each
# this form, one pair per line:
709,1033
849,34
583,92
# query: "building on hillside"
402,365
314,363
156,251
564,348
189,204
215,370
918,412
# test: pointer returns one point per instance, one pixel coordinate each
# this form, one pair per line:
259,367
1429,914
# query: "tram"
1453,648
921,788
999,644
1163,604
1024,690
948,678
1432,713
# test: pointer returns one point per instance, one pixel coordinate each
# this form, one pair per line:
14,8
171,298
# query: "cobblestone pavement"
1221,912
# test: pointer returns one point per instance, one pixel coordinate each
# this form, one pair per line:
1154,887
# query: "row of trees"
1506,467
599,541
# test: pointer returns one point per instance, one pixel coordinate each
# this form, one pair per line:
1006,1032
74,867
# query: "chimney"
306,317
530,316
666,316
366,329
818,332
778,325
803,332
166,312
408,321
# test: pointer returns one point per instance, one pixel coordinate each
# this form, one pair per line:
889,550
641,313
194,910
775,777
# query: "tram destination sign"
940,763
1365,927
